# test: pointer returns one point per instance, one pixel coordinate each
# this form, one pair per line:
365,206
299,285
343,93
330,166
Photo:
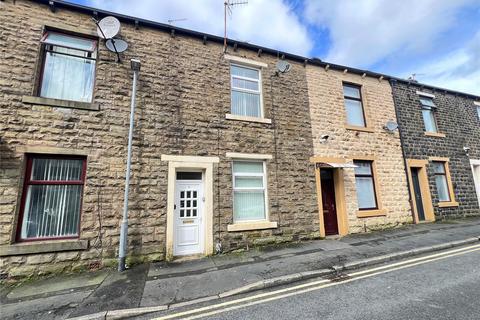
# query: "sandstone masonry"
328,117
183,97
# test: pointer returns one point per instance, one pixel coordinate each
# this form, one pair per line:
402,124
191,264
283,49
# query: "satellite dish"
120,45
391,126
283,66
108,27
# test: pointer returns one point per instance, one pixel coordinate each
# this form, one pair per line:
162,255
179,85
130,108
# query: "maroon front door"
328,202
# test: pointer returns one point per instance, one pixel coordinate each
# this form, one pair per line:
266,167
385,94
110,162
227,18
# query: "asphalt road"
443,289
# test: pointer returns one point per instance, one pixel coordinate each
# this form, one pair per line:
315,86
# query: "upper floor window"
68,70
353,105
246,97
428,113
249,198
52,197
478,111
441,181
365,184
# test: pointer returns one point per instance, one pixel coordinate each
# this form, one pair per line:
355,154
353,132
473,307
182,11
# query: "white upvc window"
428,113
249,190
246,91
478,111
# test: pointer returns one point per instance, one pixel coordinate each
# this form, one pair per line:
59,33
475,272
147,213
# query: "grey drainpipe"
122,251
410,199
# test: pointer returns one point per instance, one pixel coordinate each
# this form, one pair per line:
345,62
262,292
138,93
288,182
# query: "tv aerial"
172,21
107,29
283,66
228,6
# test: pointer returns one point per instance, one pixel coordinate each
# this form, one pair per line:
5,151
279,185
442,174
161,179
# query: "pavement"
159,286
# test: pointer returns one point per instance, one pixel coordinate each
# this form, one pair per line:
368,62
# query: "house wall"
456,118
327,112
182,98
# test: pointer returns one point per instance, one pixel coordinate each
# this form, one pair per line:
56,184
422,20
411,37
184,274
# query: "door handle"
174,207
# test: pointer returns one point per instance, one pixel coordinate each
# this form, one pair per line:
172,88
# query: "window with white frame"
428,113
249,191
246,95
478,112
68,70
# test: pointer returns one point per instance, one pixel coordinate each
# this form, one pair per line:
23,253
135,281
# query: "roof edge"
168,28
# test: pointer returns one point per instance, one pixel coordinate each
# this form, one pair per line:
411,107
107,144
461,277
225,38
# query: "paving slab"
57,284
184,288
53,307
118,291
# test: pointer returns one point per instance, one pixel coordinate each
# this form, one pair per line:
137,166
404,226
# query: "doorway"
188,213
418,195
476,177
420,191
329,208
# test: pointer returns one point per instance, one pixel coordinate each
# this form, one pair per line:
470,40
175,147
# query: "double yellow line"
312,286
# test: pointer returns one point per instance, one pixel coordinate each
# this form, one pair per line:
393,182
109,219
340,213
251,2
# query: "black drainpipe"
410,199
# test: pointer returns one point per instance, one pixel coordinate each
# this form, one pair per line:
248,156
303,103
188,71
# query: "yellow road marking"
315,285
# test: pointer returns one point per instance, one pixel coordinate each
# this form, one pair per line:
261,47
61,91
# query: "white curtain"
52,210
67,77
354,113
442,188
245,104
365,193
249,191
429,120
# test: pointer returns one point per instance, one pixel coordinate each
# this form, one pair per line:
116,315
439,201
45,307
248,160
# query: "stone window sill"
448,204
435,134
371,213
43,247
245,118
358,128
255,225
60,103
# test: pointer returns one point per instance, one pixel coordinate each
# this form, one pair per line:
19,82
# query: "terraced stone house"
221,144
360,173
441,141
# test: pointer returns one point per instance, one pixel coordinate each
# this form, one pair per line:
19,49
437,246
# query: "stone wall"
183,96
457,119
328,115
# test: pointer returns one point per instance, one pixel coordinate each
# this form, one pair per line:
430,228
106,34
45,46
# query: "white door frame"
473,164
179,163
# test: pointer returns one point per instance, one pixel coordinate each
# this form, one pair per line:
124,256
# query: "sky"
436,40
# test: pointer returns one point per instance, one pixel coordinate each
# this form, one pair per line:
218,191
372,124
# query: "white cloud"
268,23
459,70
366,32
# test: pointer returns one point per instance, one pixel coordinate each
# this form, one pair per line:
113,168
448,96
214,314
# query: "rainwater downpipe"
122,251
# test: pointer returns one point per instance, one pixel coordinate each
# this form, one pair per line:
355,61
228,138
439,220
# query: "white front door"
188,211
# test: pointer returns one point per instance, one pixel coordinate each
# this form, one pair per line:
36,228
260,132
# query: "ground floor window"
364,181
441,181
52,197
249,199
